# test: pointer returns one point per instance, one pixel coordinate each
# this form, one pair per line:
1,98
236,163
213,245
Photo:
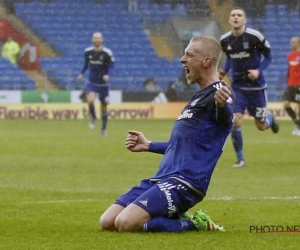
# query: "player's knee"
107,223
238,120
123,224
90,102
261,126
286,105
237,123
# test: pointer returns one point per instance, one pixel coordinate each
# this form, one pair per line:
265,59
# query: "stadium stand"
278,25
13,78
68,29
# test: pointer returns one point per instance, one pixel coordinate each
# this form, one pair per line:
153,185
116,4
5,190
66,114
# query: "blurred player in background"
100,62
292,92
160,204
243,48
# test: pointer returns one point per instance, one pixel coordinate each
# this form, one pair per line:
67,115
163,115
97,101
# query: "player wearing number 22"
244,48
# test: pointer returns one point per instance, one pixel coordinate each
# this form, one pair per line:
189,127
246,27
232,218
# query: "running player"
244,48
292,92
100,62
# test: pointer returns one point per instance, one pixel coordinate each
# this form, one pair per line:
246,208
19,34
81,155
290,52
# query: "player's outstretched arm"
137,142
223,101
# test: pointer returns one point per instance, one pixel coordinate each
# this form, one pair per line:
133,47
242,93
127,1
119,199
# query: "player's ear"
207,62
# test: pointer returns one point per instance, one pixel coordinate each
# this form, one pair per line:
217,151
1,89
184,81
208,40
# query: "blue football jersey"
196,141
245,52
99,63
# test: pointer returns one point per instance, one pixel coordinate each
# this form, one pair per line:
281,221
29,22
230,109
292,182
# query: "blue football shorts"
165,198
254,101
101,90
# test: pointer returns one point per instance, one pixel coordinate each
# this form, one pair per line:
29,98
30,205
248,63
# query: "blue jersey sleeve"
224,115
265,49
158,147
227,65
111,68
86,63
111,64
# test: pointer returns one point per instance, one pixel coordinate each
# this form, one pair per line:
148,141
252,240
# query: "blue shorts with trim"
165,198
102,91
254,101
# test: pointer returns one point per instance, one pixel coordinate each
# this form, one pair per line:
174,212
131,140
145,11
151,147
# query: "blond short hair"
209,47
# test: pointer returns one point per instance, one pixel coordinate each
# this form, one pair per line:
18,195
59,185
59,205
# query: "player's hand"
136,141
105,78
222,95
79,78
221,74
253,74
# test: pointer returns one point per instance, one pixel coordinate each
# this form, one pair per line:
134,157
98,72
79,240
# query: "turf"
57,177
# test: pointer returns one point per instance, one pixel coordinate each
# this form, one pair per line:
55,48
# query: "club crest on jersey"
193,103
246,45
229,47
101,57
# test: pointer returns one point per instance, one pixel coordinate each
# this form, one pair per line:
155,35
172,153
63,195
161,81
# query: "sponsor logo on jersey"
185,114
93,62
240,55
166,187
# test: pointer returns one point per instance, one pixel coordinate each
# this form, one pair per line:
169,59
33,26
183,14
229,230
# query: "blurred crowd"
255,8
10,50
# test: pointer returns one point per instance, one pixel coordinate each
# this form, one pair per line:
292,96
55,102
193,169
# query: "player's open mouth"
187,71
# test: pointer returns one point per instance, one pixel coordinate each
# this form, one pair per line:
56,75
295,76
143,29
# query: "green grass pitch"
57,177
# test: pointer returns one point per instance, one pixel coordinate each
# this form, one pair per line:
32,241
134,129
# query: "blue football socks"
104,118
237,141
269,119
161,224
92,111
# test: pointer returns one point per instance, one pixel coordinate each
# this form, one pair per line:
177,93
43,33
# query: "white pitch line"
225,198
228,198
58,201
